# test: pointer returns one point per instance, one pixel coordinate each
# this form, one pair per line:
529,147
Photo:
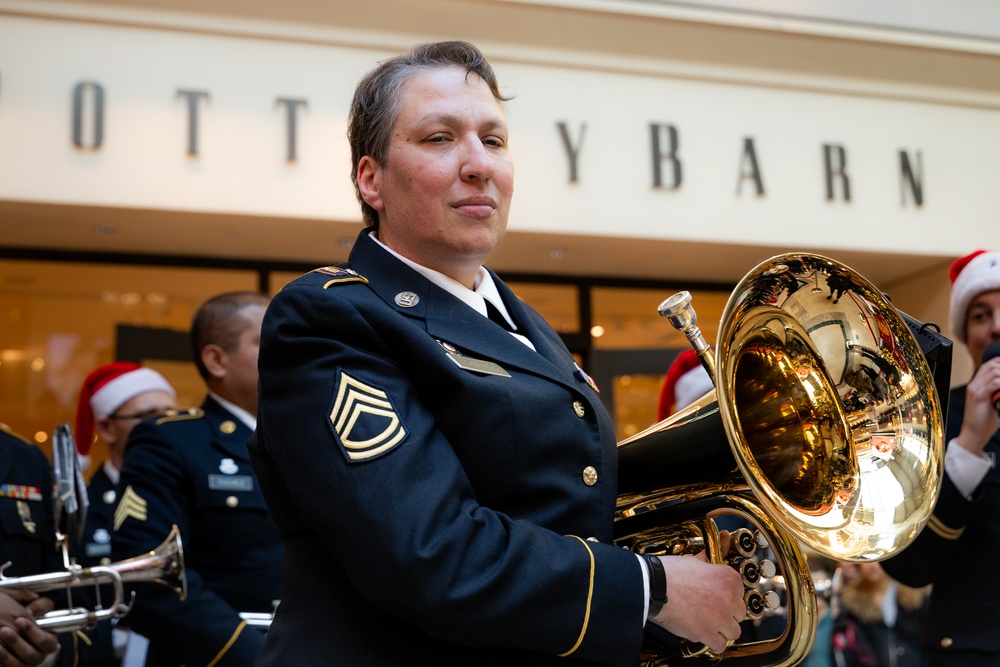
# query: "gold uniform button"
947,642
232,501
589,476
578,409
228,427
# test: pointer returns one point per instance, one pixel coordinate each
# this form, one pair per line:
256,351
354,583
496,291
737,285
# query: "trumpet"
164,565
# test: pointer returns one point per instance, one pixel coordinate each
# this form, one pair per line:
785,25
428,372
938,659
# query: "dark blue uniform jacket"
94,549
193,470
26,508
103,496
957,552
427,471
27,530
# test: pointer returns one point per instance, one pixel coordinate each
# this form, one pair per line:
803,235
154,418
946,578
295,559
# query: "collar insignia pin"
407,299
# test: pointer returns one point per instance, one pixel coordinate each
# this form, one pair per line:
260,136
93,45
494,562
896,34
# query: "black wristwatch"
657,584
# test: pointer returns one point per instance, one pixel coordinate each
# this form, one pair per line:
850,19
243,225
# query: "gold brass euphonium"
824,430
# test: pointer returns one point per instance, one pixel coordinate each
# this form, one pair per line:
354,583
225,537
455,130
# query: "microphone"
993,350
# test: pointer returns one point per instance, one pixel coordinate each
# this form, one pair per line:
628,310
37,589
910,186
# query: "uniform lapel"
546,341
448,319
229,434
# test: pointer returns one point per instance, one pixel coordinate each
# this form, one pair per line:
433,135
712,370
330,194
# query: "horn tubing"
821,391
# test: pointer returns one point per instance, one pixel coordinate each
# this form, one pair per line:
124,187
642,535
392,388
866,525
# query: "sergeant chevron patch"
364,420
131,505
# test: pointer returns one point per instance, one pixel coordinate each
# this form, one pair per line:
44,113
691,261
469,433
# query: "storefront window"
626,318
60,320
558,304
633,347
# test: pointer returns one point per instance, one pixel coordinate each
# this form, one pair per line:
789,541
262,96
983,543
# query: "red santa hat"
971,275
108,388
686,381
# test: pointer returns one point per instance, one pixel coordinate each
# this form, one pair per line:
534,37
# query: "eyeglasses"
139,416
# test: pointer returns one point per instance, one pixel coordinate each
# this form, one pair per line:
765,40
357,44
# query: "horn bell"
830,407
824,430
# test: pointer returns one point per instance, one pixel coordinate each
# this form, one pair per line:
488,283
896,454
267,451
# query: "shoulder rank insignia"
6,429
173,415
364,419
340,275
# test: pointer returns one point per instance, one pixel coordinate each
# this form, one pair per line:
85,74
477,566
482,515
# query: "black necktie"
493,313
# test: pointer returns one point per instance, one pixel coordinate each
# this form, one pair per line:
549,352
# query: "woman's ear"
369,182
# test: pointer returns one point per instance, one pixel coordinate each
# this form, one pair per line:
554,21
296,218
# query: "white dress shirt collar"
485,288
241,414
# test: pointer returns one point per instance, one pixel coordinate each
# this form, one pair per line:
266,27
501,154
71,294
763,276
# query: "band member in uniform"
445,483
957,549
113,399
28,544
192,469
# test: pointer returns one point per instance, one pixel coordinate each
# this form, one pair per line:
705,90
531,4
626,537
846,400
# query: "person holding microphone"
956,551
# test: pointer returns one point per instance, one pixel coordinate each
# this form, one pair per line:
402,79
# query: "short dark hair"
376,101
220,321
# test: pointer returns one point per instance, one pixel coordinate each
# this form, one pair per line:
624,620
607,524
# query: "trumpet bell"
163,565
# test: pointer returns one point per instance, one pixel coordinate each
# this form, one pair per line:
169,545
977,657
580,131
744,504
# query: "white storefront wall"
607,106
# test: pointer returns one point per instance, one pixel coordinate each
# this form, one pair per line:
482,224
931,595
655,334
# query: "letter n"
911,179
